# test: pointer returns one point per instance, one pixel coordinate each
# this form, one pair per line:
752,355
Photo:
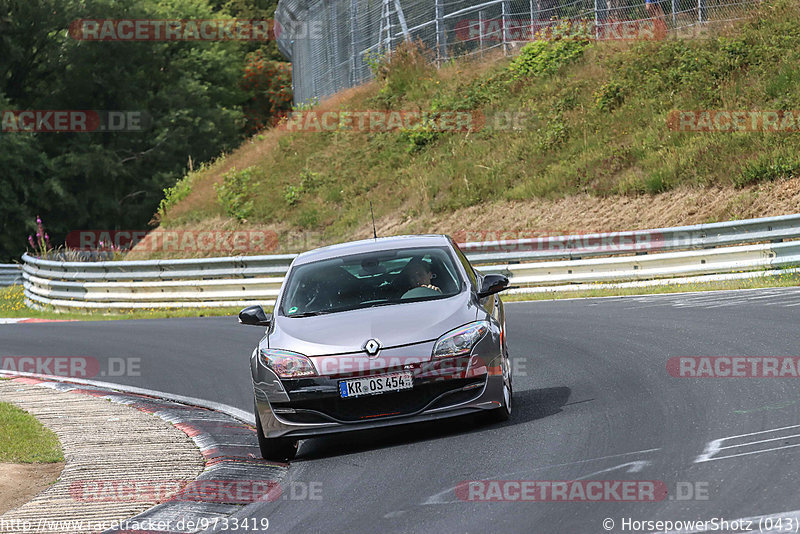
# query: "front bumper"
312,406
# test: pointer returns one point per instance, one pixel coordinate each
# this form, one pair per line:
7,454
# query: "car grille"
390,404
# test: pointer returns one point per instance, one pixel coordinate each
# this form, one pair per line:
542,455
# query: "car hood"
393,325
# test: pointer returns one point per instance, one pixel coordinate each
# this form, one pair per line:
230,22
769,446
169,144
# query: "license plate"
372,385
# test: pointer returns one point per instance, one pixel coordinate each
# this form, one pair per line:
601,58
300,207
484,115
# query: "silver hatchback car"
374,333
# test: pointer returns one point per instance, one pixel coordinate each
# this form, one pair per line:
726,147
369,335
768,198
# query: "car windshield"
371,279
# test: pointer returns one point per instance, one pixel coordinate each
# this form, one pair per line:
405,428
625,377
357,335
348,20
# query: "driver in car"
420,278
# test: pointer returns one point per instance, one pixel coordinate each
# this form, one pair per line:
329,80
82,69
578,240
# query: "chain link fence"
330,42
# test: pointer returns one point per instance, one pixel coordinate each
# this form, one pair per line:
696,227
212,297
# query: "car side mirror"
492,283
255,316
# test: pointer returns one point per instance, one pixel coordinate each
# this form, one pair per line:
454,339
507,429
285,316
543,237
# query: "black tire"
275,449
503,413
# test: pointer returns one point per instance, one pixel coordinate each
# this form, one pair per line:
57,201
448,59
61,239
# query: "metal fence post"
504,22
441,36
353,42
480,31
398,9
701,11
532,32
386,24
596,22
335,56
674,15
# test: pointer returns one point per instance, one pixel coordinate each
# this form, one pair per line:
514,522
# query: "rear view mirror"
492,283
255,316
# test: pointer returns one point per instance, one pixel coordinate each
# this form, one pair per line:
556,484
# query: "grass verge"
12,305
782,280
26,440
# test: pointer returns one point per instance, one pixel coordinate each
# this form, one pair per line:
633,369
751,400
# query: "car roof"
372,245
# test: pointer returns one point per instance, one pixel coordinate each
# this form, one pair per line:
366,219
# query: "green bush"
310,181
419,135
539,58
767,169
308,218
176,193
406,74
554,133
609,97
235,192
292,194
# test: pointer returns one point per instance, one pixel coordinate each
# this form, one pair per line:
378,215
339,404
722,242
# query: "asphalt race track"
592,401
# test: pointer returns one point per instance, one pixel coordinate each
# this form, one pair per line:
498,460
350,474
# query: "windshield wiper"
308,314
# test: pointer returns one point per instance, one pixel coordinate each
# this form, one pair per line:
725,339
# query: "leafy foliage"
609,97
545,57
420,134
767,169
235,192
405,74
194,93
268,85
176,193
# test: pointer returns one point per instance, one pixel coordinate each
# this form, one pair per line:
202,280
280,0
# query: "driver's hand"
429,286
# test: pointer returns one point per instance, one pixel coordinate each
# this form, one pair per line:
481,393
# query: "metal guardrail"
554,262
635,241
10,274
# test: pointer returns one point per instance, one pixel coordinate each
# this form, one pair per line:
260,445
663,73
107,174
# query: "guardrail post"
441,35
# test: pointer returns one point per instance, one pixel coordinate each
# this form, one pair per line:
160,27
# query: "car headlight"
287,364
460,341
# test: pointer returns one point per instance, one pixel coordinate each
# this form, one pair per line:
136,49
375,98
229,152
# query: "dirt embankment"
507,219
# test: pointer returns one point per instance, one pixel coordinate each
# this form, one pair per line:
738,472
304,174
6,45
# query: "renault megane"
374,333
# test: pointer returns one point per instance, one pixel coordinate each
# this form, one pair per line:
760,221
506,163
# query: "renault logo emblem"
372,347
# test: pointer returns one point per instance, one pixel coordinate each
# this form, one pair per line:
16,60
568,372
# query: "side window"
467,267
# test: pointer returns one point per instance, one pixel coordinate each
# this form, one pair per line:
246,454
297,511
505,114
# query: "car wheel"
275,449
503,413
